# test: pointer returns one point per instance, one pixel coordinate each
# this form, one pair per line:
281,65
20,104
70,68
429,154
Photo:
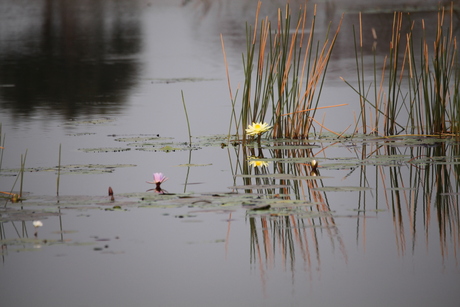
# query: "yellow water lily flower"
258,163
257,128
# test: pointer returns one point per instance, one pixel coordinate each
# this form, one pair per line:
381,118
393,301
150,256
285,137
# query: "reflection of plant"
291,235
16,197
254,162
37,224
290,227
422,187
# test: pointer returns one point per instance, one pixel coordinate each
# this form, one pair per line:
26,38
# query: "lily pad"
80,134
140,139
342,189
181,80
284,176
105,149
98,121
192,165
258,186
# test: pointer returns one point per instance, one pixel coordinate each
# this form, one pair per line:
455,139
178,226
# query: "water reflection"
16,224
427,192
68,57
294,231
231,17
415,179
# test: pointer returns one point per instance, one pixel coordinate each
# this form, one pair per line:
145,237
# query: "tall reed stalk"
2,146
284,70
23,164
58,179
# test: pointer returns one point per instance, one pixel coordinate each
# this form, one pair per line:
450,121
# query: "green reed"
2,146
284,71
23,164
186,117
419,87
58,179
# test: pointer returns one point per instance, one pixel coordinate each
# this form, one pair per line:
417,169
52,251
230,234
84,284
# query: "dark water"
125,63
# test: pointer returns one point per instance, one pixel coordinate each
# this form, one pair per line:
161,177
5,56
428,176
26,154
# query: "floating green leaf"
105,149
342,189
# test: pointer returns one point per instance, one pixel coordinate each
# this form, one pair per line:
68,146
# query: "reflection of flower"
158,178
314,164
257,128
257,163
37,224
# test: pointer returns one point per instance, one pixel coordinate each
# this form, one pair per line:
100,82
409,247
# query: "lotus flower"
257,128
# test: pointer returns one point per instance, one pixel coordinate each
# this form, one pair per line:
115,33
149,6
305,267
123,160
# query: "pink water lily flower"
158,178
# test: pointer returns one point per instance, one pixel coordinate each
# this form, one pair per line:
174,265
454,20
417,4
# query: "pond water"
378,225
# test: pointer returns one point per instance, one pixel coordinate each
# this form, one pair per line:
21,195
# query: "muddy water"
86,75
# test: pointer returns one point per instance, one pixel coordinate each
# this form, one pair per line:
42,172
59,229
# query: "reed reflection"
292,227
419,186
433,185
68,57
15,226
413,179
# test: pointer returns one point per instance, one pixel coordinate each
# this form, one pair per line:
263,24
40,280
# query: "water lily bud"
314,164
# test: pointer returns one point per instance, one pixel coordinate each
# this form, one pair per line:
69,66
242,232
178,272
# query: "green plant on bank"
284,71
423,78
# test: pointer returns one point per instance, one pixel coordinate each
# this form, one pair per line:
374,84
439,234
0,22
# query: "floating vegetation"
342,189
181,80
42,206
211,140
167,148
75,169
99,121
283,176
105,149
141,139
14,214
193,165
80,134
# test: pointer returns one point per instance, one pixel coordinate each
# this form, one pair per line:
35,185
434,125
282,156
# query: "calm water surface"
64,64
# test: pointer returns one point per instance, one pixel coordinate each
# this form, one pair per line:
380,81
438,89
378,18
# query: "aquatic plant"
158,178
284,71
256,129
418,91
58,179
186,117
2,147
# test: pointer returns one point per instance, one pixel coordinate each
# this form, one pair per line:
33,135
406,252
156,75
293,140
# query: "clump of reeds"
418,92
284,71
